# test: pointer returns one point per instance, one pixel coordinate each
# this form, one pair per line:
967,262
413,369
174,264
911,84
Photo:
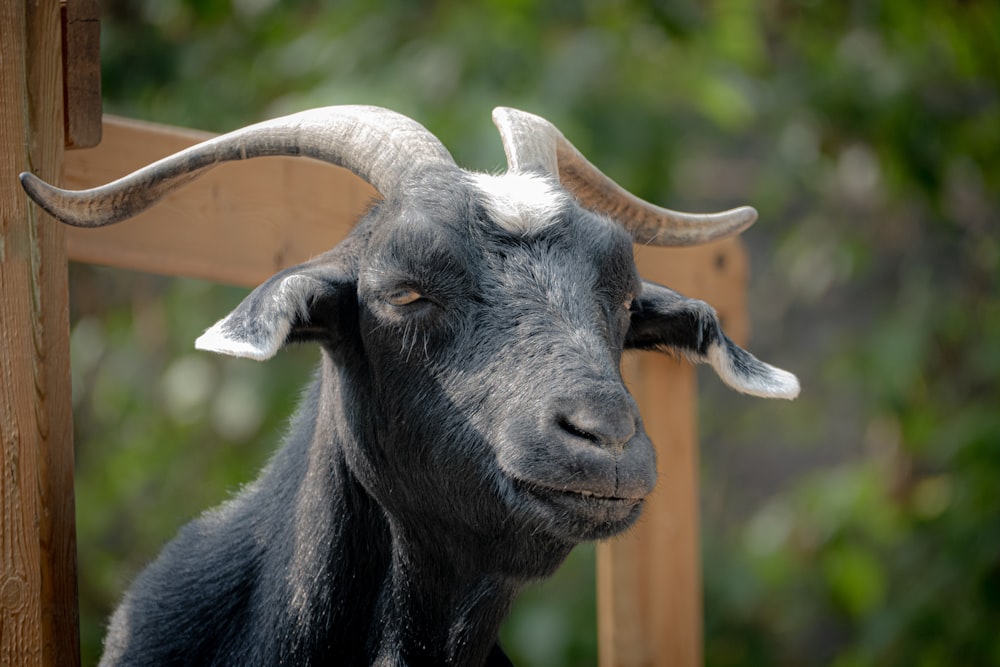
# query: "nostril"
599,428
566,424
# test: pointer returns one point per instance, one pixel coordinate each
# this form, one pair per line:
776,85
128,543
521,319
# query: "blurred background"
858,525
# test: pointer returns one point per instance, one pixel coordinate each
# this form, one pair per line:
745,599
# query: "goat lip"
578,495
576,515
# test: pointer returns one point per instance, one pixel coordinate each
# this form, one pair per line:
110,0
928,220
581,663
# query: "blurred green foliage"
859,525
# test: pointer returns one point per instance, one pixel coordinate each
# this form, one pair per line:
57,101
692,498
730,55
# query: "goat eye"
404,297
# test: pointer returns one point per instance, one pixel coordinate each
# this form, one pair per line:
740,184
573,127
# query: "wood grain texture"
649,580
38,612
82,104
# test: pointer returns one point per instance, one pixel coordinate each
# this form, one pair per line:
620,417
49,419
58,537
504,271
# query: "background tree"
859,525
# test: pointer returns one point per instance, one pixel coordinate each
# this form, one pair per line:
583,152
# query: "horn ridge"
531,142
383,147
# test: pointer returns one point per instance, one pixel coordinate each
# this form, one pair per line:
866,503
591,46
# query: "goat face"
509,341
482,335
480,325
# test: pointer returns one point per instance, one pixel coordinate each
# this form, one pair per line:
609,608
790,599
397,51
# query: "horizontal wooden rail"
237,224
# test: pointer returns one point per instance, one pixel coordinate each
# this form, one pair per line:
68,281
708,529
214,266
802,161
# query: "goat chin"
580,516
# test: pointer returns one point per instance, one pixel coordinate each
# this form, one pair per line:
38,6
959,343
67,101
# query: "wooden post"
649,580
81,58
38,613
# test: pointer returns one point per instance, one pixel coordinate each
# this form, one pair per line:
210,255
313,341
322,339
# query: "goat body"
468,425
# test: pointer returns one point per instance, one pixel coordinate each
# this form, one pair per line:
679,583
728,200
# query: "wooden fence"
238,225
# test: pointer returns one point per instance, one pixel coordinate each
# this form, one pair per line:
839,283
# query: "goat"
468,424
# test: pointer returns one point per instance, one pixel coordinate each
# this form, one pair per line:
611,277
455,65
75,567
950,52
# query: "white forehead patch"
522,203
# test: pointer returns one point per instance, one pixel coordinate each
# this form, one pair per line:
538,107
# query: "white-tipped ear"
282,308
218,339
667,321
745,373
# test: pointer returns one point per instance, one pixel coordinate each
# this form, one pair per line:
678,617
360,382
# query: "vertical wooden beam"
38,612
81,44
649,580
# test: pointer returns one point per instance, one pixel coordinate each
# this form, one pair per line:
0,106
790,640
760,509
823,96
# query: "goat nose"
603,426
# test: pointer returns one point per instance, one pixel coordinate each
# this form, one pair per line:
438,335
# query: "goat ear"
664,320
296,304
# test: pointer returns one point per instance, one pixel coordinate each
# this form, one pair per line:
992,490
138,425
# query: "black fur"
450,449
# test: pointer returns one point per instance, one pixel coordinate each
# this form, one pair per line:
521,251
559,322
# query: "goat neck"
442,591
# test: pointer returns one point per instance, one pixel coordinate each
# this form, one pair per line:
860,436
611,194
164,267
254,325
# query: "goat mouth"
596,506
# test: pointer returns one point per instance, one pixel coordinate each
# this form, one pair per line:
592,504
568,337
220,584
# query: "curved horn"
381,146
533,143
